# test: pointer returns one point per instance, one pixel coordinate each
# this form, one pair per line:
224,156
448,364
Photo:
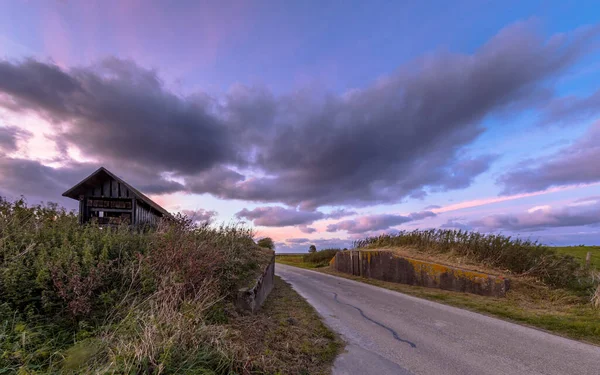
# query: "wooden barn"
107,199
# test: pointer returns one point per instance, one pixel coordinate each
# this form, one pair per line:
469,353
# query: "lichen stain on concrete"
386,266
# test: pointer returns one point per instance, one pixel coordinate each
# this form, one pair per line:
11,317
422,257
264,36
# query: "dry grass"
286,336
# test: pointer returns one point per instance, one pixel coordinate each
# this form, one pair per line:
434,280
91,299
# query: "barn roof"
99,175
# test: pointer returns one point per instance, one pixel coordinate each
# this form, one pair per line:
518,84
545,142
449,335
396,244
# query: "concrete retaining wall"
386,266
253,297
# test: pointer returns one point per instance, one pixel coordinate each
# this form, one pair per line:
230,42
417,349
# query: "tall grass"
116,300
520,256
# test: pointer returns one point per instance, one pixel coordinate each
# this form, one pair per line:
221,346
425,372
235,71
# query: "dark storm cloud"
9,136
372,223
542,218
574,164
117,111
279,216
401,137
200,215
40,182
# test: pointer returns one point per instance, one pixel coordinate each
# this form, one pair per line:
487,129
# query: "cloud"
306,229
9,136
200,215
376,222
574,164
40,182
455,224
570,109
540,218
340,213
279,216
432,207
117,111
421,215
400,137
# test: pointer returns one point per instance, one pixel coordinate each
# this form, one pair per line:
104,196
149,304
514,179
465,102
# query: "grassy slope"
287,336
580,252
528,302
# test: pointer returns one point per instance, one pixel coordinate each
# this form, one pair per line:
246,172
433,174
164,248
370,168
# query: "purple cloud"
200,215
544,217
9,136
399,137
574,164
372,223
279,216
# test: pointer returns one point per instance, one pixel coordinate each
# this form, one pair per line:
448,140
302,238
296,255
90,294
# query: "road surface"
391,333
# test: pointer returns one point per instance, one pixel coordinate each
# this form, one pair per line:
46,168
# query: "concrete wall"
253,297
386,266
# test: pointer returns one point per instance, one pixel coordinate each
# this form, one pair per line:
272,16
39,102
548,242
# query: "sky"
316,122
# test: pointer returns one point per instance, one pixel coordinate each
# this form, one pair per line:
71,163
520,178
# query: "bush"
523,257
320,258
115,299
266,242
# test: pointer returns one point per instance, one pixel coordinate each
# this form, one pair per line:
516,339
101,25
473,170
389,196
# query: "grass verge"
295,260
529,302
287,336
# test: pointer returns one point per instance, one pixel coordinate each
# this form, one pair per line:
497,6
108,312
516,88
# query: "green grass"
580,252
296,260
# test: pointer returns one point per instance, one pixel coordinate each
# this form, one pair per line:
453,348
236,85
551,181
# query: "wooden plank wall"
144,215
109,189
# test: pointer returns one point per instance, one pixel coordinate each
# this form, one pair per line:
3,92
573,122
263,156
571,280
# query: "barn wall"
110,188
144,214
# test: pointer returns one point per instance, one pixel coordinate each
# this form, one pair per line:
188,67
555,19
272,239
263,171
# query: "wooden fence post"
588,259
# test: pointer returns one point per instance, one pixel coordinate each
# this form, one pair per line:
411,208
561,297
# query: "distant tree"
345,249
266,242
312,249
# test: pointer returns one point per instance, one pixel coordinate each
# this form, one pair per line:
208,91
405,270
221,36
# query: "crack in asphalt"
394,334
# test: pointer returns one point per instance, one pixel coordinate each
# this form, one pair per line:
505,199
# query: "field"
580,252
86,299
560,304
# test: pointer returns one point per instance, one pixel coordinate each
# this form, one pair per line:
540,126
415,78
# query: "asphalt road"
391,333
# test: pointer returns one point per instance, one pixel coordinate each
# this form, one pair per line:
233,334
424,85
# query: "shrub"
320,258
117,300
523,257
266,242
